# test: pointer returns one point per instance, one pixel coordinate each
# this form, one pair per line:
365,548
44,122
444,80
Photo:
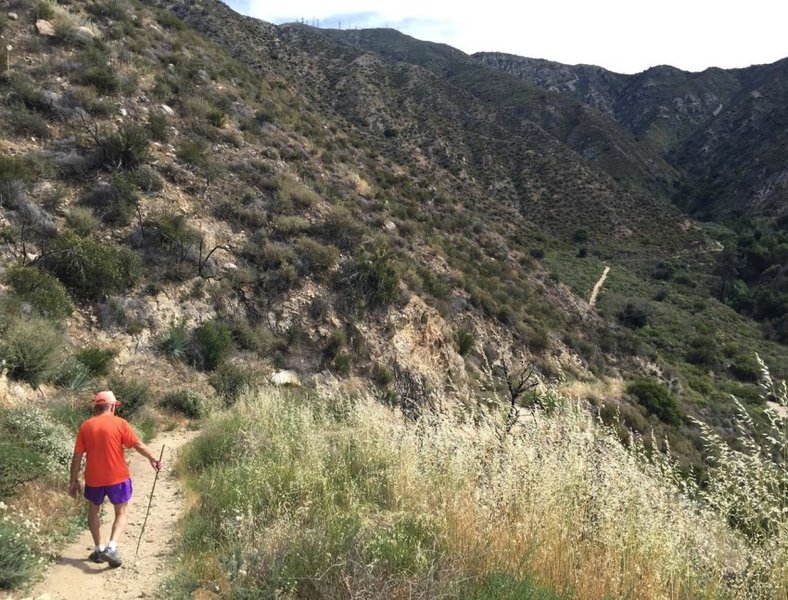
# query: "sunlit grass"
331,498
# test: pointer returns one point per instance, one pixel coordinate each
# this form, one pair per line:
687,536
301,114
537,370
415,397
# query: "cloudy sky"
626,36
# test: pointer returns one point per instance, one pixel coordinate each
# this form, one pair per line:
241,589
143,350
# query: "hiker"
103,438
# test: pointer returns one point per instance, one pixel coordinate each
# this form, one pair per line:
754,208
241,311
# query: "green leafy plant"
18,561
82,221
133,395
187,402
230,382
371,278
92,270
102,78
125,148
32,349
115,202
212,342
158,126
465,341
43,291
18,464
96,360
657,400
175,342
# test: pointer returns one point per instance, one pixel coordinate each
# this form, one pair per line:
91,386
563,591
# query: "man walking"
103,438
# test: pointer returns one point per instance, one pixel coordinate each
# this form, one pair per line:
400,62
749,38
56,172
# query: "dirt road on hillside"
74,577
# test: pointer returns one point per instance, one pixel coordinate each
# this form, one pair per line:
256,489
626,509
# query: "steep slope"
410,111
594,136
723,130
735,163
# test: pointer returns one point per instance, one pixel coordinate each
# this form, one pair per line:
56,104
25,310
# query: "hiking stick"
150,500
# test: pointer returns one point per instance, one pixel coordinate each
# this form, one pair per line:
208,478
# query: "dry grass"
333,499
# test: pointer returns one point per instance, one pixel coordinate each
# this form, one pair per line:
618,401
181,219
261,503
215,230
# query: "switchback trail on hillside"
74,577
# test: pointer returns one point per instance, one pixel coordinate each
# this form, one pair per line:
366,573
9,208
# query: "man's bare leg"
94,522
121,516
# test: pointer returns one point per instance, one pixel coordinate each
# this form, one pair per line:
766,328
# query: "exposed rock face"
422,344
594,85
45,28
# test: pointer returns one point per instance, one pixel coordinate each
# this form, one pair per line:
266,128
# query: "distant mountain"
726,131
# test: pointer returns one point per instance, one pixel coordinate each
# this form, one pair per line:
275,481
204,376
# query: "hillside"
192,200
723,130
725,133
313,196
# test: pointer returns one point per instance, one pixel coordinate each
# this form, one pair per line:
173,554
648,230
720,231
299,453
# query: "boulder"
286,378
44,27
84,35
13,16
167,110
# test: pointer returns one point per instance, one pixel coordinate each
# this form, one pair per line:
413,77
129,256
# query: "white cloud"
624,36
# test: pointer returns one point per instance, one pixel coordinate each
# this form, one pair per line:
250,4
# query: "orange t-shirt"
103,438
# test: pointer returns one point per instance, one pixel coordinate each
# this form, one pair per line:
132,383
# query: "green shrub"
27,122
13,168
657,400
44,292
314,257
44,9
465,341
18,464
341,229
745,368
146,179
382,375
125,148
703,351
187,402
230,382
192,152
102,78
216,117
635,314
32,348
82,221
115,202
133,395
40,432
92,270
212,342
175,342
159,127
96,360
74,376
342,363
18,561
371,278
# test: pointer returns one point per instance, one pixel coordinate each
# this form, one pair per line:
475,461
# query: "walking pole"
150,500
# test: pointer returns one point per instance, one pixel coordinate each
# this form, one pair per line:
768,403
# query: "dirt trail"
598,286
74,577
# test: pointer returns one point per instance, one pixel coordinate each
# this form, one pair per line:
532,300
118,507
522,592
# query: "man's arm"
76,466
143,449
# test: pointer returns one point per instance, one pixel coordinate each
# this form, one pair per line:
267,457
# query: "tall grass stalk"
301,497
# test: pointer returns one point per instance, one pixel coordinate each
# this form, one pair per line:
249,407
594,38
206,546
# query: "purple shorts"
117,494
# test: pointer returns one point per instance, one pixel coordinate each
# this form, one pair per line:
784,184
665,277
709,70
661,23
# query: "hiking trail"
598,287
72,576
